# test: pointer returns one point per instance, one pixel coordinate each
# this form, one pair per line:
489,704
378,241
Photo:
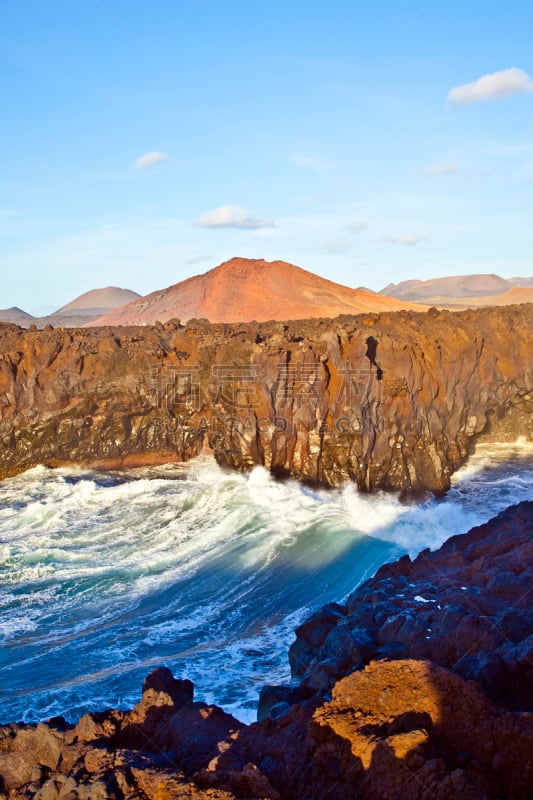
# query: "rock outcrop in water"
389,401
404,728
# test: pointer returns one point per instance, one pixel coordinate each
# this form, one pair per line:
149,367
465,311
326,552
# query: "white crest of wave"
208,569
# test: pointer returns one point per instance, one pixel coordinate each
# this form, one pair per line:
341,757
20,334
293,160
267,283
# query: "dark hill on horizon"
242,290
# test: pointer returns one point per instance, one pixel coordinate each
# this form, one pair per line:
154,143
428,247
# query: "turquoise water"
104,575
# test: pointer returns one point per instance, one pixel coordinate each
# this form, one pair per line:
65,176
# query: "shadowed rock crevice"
371,353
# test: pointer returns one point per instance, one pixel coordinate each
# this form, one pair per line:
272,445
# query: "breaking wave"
105,575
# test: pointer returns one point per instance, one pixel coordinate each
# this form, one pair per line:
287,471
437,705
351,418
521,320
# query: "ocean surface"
105,575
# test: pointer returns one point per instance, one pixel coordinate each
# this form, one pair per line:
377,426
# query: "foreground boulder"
149,753
388,727
406,729
403,729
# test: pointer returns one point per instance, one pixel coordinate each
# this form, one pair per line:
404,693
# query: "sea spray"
104,575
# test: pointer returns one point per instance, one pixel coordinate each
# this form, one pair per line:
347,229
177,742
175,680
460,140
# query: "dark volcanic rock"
148,753
389,401
161,680
269,697
399,728
468,607
404,729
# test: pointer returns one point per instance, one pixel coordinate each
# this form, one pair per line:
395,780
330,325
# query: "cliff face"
390,401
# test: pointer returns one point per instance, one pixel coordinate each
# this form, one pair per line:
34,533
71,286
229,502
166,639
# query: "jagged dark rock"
467,607
405,727
305,398
161,680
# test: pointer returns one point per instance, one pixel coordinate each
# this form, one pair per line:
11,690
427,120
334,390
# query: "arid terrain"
463,291
247,290
85,308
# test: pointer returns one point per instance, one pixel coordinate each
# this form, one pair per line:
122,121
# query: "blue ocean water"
105,575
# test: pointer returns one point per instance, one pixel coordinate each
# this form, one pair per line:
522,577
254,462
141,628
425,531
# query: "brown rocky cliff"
387,400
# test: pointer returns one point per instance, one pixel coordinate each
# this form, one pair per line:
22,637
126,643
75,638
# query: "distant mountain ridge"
97,301
243,289
14,314
514,295
88,306
481,289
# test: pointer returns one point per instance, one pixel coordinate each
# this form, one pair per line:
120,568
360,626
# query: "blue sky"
144,142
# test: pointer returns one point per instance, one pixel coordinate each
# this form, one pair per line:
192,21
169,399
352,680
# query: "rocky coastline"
389,401
466,607
419,686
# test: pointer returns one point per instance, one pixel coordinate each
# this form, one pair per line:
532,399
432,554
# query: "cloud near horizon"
337,246
149,160
230,216
492,86
443,169
355,227
311,162
409,239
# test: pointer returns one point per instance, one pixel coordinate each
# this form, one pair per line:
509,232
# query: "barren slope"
517,294
251,289
452,286
97,301
15,314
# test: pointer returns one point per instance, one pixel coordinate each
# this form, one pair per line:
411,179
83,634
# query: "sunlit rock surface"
406,727
389,401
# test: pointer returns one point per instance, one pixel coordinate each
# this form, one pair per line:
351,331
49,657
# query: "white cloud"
149,160
337,246
443,169
198,259
409,239
315,199
529,181
232,217
311,162
355,227
491,87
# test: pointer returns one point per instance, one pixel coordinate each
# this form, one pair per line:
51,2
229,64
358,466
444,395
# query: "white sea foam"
103,576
